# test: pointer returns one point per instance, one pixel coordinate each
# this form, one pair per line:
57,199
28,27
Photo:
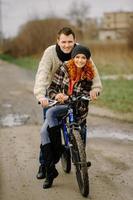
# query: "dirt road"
109,147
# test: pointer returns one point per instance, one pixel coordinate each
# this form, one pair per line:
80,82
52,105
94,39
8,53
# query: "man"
52,58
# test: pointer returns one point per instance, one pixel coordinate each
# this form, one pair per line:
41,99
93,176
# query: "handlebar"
70,100
52,102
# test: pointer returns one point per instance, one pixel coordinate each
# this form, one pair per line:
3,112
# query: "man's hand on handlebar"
44,102
94,93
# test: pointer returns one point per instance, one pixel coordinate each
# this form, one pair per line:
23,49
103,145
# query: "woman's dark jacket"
60,84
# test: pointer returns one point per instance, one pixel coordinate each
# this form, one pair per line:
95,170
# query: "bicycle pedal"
88,164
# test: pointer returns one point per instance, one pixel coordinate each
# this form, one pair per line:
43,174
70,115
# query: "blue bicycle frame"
71,123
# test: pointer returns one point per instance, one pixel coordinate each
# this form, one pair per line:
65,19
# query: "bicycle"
74,151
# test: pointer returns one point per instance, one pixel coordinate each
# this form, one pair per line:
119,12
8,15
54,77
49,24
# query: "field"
115,65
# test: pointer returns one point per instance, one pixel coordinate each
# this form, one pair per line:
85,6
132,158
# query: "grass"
25,62
112,58
117,66
117,95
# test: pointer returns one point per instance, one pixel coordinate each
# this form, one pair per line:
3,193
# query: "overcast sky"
16,12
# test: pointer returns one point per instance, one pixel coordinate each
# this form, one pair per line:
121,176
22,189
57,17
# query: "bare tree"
130,36
78,13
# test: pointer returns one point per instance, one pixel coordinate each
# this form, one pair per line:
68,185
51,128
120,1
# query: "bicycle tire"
65,157
79,160
66,161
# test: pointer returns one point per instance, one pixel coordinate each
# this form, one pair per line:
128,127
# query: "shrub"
34,37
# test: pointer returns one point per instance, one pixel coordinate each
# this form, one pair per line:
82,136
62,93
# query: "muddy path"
109,147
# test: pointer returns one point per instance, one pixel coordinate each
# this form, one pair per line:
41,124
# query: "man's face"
66,43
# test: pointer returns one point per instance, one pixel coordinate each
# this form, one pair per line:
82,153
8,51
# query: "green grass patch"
114,68
117,95
25,62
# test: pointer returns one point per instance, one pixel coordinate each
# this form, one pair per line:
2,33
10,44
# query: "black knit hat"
79,49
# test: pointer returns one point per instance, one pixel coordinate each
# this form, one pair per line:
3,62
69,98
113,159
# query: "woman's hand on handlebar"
61,97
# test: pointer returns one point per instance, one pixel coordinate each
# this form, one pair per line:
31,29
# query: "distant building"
114,25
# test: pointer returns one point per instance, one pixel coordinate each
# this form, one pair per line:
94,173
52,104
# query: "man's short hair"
65,31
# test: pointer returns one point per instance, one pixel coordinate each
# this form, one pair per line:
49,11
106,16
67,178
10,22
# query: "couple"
65,68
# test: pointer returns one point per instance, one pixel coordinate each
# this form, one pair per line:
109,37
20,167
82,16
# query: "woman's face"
66,43
80,60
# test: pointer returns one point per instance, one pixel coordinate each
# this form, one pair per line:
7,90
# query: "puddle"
7,105
115,77
112,134
14,120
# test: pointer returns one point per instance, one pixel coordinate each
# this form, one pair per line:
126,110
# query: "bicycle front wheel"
79,160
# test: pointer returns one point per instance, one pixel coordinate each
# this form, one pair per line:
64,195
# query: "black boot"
51,171
55,138
41,172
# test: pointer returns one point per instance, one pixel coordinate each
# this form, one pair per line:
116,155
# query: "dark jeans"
44,113
41,158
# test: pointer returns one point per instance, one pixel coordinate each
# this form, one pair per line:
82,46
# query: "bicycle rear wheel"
66,160
79,160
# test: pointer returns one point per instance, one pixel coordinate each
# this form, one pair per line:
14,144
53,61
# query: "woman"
73,77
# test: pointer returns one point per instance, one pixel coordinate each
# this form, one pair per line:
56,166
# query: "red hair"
87,71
